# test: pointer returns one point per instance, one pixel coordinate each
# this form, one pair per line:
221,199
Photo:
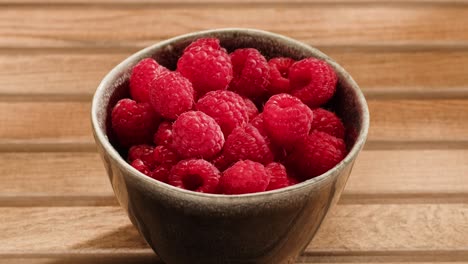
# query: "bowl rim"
110,77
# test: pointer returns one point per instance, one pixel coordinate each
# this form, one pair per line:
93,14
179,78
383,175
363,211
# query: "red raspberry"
279,75
196,135
195,175
161,172
327,122
247,143
251,73
164,155
313,81
140,166
171,94
227,108
203,42
251,108
163,135
244,177
286,119
206,65
142,75
279,178
318,153
143,153
133,123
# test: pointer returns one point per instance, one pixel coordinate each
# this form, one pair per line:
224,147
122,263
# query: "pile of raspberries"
230,123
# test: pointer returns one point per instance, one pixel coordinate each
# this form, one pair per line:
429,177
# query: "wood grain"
45,122
413,120
36,123
228,2
69,74
350,229
390,176
53,175
76,74
142,25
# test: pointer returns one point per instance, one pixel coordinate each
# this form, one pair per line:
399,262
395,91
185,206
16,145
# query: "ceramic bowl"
188,227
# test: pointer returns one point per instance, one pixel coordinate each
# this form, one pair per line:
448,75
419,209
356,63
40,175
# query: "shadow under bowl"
187,227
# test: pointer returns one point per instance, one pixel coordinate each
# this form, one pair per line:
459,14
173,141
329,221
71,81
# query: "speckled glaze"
188,227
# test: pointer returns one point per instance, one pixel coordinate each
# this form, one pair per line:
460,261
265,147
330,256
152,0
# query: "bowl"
188,227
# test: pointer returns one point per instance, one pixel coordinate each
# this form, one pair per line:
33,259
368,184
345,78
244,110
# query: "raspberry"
251,73
318,153
161,172
227,108
143,153
279,178
140,166
164,155
327,122
142,75
279,75
203,42
206,65
171,94
313,81
244,177
251,108
133,123
247,143
196,135
195,175
163,135
286,119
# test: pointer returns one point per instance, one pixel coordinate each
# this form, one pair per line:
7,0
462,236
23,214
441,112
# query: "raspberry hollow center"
192,182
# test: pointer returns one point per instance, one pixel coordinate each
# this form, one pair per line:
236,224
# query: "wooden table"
406,200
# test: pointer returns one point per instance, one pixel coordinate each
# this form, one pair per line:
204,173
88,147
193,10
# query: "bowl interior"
348,101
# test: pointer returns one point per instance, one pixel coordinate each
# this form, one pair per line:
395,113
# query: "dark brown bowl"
187,227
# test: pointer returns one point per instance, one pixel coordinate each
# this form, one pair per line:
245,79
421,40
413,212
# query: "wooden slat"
413,120
45,122
53,174
391,121
142,25
67,74
77,74
388,230
378,176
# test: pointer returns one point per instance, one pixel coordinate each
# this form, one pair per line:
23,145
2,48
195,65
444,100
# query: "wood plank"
378,176
77,73
53,174
392,121
142,25
388,230
70,74
413,120
45,122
